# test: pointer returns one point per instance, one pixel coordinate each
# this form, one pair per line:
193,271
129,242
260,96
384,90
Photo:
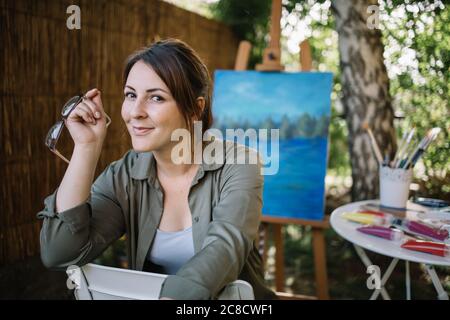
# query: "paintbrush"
404,143
423,145
375,147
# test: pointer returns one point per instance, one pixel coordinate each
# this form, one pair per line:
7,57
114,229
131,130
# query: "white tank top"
171,250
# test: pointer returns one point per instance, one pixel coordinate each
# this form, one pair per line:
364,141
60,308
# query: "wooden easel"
271,62
272,54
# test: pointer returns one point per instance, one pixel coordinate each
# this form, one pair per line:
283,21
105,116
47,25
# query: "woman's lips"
140,131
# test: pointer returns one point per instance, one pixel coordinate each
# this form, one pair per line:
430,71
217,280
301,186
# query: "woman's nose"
138,110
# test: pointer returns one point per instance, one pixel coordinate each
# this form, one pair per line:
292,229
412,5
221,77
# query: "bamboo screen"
44,63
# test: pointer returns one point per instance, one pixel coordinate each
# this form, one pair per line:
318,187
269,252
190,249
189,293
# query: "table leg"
365,259
384,279
442,294
407,280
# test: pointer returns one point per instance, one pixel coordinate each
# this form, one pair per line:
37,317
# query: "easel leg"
263,234
407,280
320,263
319,259
279,257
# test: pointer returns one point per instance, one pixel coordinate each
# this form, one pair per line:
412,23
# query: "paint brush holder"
394,187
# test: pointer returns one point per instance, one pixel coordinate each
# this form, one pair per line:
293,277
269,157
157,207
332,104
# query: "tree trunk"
365,93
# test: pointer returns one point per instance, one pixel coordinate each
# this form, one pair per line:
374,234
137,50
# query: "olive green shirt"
225,202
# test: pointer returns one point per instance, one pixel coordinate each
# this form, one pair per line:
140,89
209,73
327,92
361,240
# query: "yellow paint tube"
363,218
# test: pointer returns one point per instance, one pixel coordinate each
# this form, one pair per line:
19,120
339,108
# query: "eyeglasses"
55,131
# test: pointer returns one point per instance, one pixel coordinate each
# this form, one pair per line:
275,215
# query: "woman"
195,222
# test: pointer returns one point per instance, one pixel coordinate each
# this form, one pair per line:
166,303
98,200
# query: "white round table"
347,230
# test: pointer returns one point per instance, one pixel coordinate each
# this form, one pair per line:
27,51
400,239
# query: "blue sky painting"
298,104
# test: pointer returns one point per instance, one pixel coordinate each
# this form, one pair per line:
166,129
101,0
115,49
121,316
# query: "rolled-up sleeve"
78,235
229,239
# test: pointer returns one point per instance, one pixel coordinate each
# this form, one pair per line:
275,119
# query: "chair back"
96,282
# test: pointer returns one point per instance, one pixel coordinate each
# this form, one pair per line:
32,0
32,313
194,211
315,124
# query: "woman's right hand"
87,122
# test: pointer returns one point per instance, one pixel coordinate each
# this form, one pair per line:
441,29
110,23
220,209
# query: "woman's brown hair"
184,73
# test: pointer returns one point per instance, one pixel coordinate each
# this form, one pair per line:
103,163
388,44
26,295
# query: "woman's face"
149,110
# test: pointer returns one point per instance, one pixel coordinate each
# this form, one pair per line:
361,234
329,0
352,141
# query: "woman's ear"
201,103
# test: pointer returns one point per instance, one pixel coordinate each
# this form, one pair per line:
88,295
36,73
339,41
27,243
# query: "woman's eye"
130,95
157,98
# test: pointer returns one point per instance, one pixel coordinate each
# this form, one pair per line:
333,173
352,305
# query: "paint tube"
383,232
421,229
364,218
430,247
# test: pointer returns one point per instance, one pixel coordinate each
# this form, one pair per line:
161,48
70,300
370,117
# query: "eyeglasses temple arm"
60,155
108,120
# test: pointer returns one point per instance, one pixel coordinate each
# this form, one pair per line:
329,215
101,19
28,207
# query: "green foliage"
339,157
249,19
421,90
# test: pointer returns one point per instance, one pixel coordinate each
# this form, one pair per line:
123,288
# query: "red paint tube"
421,228
382,232
375,213
435,248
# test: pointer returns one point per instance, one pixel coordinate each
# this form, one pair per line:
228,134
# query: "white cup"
394,187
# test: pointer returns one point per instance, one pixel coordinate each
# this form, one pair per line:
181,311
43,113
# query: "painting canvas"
298,105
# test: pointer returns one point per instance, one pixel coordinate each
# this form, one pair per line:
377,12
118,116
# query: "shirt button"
195,219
